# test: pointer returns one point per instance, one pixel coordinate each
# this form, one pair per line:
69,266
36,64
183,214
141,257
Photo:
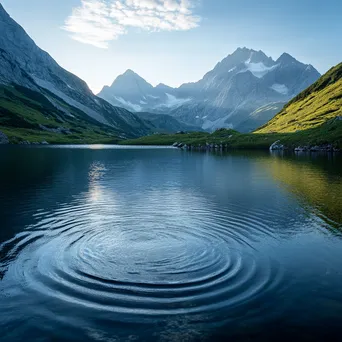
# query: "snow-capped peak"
286,58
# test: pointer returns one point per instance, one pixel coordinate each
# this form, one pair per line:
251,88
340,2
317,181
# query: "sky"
176,41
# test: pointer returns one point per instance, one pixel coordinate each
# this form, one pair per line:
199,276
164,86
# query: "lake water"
139,244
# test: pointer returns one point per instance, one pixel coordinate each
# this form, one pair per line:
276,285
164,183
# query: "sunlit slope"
314,106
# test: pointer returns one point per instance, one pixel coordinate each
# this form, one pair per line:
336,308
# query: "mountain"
319,103
132,92
244,90
27,73
127,86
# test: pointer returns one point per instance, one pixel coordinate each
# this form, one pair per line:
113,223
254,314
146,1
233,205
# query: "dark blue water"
116,244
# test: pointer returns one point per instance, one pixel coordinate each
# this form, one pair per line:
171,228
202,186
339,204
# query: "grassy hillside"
328,133
311,108
26,115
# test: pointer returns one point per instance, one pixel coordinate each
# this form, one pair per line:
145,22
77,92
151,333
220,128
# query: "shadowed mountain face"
243,91
23,63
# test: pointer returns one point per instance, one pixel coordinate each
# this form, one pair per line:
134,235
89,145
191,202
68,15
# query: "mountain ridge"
242,83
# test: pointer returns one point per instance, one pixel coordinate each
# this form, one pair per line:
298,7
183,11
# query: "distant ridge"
243,91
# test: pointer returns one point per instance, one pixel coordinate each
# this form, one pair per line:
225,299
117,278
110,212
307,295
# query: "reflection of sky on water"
183,244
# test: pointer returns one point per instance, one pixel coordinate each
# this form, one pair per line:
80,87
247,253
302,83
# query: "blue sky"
176,41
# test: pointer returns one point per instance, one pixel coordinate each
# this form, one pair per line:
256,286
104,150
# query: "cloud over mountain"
97,22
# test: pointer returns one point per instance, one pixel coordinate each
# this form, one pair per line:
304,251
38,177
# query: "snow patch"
152,97
250,57
143,102
131,105
273,106
173,101
280,88
232,69
259,70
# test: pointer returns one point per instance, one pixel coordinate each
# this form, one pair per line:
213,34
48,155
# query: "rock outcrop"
3,139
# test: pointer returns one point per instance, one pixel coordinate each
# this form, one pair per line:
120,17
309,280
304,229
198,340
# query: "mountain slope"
28,115
163,123
24,63
243,83
317,104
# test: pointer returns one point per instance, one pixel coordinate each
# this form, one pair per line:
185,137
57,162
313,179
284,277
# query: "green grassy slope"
190,138
328,133
23,111
311,108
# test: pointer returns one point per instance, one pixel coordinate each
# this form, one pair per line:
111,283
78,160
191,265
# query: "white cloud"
97,22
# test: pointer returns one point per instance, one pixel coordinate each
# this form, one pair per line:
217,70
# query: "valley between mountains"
248,100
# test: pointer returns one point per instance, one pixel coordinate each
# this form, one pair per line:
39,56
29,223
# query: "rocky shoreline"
33,143
3,139
276,146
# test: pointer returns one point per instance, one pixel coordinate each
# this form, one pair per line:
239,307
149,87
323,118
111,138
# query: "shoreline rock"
3,139
277,147
25,142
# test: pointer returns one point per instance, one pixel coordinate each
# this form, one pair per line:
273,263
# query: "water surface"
139,244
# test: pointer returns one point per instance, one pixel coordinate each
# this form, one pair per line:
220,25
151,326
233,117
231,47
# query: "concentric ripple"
140,263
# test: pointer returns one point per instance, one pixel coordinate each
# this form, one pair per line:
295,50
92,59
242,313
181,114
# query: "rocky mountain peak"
129,77
286,58
239,58
260,57
130,82
130,73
